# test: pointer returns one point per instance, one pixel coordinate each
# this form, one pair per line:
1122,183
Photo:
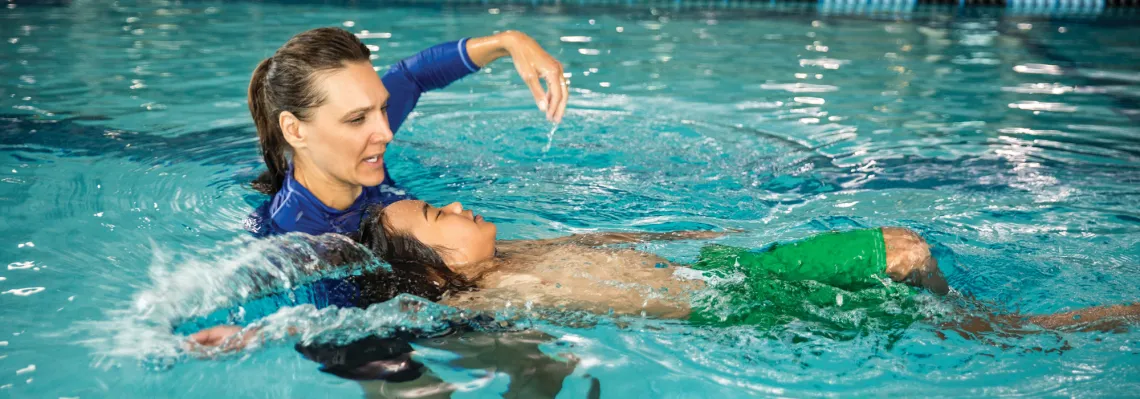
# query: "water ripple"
1009,143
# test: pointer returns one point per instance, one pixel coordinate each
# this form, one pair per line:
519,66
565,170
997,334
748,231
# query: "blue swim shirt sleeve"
321,294
431,69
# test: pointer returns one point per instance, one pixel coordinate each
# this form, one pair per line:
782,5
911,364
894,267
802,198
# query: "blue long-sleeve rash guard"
295,209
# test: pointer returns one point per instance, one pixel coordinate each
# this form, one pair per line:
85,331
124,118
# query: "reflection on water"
1007,138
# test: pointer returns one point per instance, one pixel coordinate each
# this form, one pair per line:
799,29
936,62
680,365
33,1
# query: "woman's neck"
331,191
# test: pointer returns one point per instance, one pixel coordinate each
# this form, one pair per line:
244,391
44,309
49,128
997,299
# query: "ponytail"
273,145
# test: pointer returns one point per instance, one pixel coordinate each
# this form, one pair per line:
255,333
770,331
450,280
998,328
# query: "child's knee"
906,250
909,260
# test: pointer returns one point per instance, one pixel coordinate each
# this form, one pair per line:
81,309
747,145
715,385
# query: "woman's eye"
357,120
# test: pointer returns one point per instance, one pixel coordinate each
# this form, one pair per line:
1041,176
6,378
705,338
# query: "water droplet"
30,368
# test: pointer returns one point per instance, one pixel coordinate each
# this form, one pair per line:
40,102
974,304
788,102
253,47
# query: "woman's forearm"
487,49
532,62
598,239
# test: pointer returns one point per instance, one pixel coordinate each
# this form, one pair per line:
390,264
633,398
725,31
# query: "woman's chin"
371,179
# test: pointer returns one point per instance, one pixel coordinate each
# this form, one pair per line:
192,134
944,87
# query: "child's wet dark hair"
408,256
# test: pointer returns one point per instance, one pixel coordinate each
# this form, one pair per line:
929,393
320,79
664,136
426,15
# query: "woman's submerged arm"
607,238
1113,318
569,297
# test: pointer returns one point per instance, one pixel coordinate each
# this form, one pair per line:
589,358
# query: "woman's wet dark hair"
409,257
286,82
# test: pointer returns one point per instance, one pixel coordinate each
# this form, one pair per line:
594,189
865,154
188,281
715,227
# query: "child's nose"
454,207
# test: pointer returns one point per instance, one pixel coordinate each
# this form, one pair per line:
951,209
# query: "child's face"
467,237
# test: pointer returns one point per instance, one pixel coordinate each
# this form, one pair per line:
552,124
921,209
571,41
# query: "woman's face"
466,237
346,136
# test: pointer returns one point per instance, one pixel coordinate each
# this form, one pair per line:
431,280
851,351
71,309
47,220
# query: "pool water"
1010,141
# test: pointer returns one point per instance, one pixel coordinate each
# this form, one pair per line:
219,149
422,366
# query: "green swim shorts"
836,278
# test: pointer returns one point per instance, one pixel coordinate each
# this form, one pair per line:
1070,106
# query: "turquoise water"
1009,141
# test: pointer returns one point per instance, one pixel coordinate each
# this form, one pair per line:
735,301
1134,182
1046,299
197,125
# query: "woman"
324,119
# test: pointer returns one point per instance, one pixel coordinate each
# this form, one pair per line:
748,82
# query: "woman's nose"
382,132
454,207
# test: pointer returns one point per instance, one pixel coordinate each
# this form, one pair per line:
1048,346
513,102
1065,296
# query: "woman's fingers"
556,90
565,101
540,97
530,76
535,66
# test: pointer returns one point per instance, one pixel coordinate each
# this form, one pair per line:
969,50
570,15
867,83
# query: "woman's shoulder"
384,193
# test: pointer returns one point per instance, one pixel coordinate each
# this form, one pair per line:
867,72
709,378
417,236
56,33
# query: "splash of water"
184,287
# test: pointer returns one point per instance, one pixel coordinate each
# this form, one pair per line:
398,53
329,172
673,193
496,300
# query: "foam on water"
183,287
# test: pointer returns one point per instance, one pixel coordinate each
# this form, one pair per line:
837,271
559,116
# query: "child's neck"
475,272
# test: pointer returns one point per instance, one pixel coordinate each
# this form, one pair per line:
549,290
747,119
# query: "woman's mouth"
372,159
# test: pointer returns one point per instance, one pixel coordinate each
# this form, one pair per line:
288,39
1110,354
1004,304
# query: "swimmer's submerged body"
451,256
815,279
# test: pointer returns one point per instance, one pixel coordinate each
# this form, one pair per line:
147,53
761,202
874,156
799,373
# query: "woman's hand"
698,234
533,64
224,337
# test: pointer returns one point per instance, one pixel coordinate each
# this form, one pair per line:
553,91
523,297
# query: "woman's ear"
291,129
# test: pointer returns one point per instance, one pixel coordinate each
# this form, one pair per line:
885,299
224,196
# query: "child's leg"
1099,318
